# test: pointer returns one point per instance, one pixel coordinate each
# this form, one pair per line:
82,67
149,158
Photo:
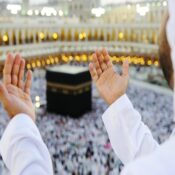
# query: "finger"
98,53
101,60
108,61
125,68
3,94
103,64
93,72
96,64
28,82
15,69
21,74
8,69
104,52
107,58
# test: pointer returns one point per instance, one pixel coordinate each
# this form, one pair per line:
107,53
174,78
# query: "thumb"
3,93
125,68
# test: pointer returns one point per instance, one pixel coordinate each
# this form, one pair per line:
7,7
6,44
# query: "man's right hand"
14,93
109,83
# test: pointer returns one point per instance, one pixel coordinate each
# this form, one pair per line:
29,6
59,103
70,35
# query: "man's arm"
23,150
21,147
129,137
160,162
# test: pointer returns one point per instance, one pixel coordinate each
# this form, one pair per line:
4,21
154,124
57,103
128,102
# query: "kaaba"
68,90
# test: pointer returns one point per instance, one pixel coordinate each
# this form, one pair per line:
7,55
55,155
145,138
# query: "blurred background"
49,33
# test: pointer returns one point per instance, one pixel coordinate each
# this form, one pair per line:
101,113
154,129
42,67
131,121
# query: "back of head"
165,52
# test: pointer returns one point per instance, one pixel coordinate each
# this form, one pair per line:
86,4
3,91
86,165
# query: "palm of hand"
15,91
111,85
20,101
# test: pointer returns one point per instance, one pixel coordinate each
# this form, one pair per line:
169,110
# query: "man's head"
165,53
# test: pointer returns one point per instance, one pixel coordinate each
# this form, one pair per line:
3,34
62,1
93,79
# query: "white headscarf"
171,37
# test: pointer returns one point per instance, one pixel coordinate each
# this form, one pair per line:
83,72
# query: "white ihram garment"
131,139
23,150
134,144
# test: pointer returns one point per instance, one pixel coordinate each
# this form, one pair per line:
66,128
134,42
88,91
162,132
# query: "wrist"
29,114
111,100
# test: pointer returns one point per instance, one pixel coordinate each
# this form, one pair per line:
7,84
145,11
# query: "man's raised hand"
14,92
109,83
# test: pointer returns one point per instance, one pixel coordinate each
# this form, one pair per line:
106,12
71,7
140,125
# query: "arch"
133,35
76,35
82,35
54,36
154,37
5,38
37,36
129,34
47,36
113,35
101,35
120,35
69,35
62,35
13,38
42,36
95,35
31,38
126,35
26,36
108,36
20,37
149,36
89,35
144,36
1,42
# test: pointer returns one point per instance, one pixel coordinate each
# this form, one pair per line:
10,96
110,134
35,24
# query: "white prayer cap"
171,29
171,37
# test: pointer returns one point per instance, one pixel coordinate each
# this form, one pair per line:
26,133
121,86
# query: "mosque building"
57,39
